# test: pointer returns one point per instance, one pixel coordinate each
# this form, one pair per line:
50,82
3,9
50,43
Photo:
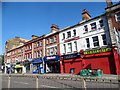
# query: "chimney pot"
54,28
34,36
85,15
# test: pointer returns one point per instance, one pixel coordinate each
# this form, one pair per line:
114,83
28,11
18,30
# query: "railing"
57,81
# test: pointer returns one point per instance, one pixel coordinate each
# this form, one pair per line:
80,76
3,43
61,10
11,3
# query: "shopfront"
72,63
20,69
99,59
52,64
37,66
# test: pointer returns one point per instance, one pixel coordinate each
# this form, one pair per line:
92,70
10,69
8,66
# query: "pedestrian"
2,68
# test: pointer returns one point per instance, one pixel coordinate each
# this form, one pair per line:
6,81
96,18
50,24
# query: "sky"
24,19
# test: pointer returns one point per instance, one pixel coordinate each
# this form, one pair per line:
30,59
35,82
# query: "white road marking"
48,86
20,82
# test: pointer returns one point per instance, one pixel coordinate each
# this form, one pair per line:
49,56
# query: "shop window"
95,41
87,42
68,34
69,47
101,23
104,39
74,32
93,26
63,36
72,70
117,16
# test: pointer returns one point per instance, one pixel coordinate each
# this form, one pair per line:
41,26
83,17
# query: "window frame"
93,26
104,39
69,47
74,33
87,42
69,34
95,41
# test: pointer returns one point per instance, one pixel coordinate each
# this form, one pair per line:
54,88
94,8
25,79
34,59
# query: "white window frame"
96,41
75,44
93,25
69,47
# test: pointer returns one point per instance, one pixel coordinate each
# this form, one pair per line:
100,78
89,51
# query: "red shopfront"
72,63
93,59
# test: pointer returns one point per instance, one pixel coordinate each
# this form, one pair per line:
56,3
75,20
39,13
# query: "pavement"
105,76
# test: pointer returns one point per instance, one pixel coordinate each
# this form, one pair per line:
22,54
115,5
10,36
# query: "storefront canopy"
39,60
18,66
51,58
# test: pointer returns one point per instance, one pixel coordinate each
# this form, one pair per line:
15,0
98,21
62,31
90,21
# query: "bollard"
111,83
36,82
8,82
84,85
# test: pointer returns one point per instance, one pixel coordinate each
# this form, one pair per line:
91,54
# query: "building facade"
86,36
93,43
113,16
52,51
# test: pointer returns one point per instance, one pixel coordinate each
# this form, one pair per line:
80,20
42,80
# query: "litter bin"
99,73
84,73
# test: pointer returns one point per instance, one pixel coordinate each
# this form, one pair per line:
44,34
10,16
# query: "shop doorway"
19,70
53,66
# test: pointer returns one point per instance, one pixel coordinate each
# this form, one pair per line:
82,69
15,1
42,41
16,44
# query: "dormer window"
93,26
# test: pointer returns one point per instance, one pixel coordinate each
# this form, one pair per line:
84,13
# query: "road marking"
20,82
48,86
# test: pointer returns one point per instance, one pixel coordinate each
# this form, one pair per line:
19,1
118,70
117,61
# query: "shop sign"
39,60
97,51
54,57
71,56
75,38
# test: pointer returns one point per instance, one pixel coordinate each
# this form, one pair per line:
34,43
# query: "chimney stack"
34,36
109,3
85,15
54,28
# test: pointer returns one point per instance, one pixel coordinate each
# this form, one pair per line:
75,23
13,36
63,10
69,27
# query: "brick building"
52,50
113,16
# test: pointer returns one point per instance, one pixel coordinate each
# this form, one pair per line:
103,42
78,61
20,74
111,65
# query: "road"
29,82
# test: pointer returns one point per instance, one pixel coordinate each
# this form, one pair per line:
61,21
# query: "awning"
18,66
38,60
